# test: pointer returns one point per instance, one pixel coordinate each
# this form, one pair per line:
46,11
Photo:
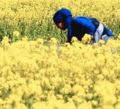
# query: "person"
80,25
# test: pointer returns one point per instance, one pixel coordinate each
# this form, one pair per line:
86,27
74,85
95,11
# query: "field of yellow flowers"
45,74
36,75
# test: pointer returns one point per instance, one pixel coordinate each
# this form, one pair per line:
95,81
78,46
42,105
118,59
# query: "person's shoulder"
80,19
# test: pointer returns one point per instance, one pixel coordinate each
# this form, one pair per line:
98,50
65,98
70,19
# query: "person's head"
60,18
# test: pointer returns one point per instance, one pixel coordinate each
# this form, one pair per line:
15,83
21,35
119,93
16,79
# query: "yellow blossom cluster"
46,75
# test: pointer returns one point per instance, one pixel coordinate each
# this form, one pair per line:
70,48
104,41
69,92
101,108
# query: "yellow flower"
16,34
118,106
53,41
85,105
101,42
5,42
74,39
20,106
40,41
87,39
39,105
107,107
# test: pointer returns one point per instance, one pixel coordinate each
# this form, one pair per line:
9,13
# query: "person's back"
81,26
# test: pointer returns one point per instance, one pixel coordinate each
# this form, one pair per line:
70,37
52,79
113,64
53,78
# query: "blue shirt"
79,26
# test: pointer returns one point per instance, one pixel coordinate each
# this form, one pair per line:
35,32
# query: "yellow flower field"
47,74
37,75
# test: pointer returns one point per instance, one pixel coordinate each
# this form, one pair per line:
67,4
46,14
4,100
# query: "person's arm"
69,35
69,27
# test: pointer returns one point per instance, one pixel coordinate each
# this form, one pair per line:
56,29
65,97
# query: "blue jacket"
78,26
